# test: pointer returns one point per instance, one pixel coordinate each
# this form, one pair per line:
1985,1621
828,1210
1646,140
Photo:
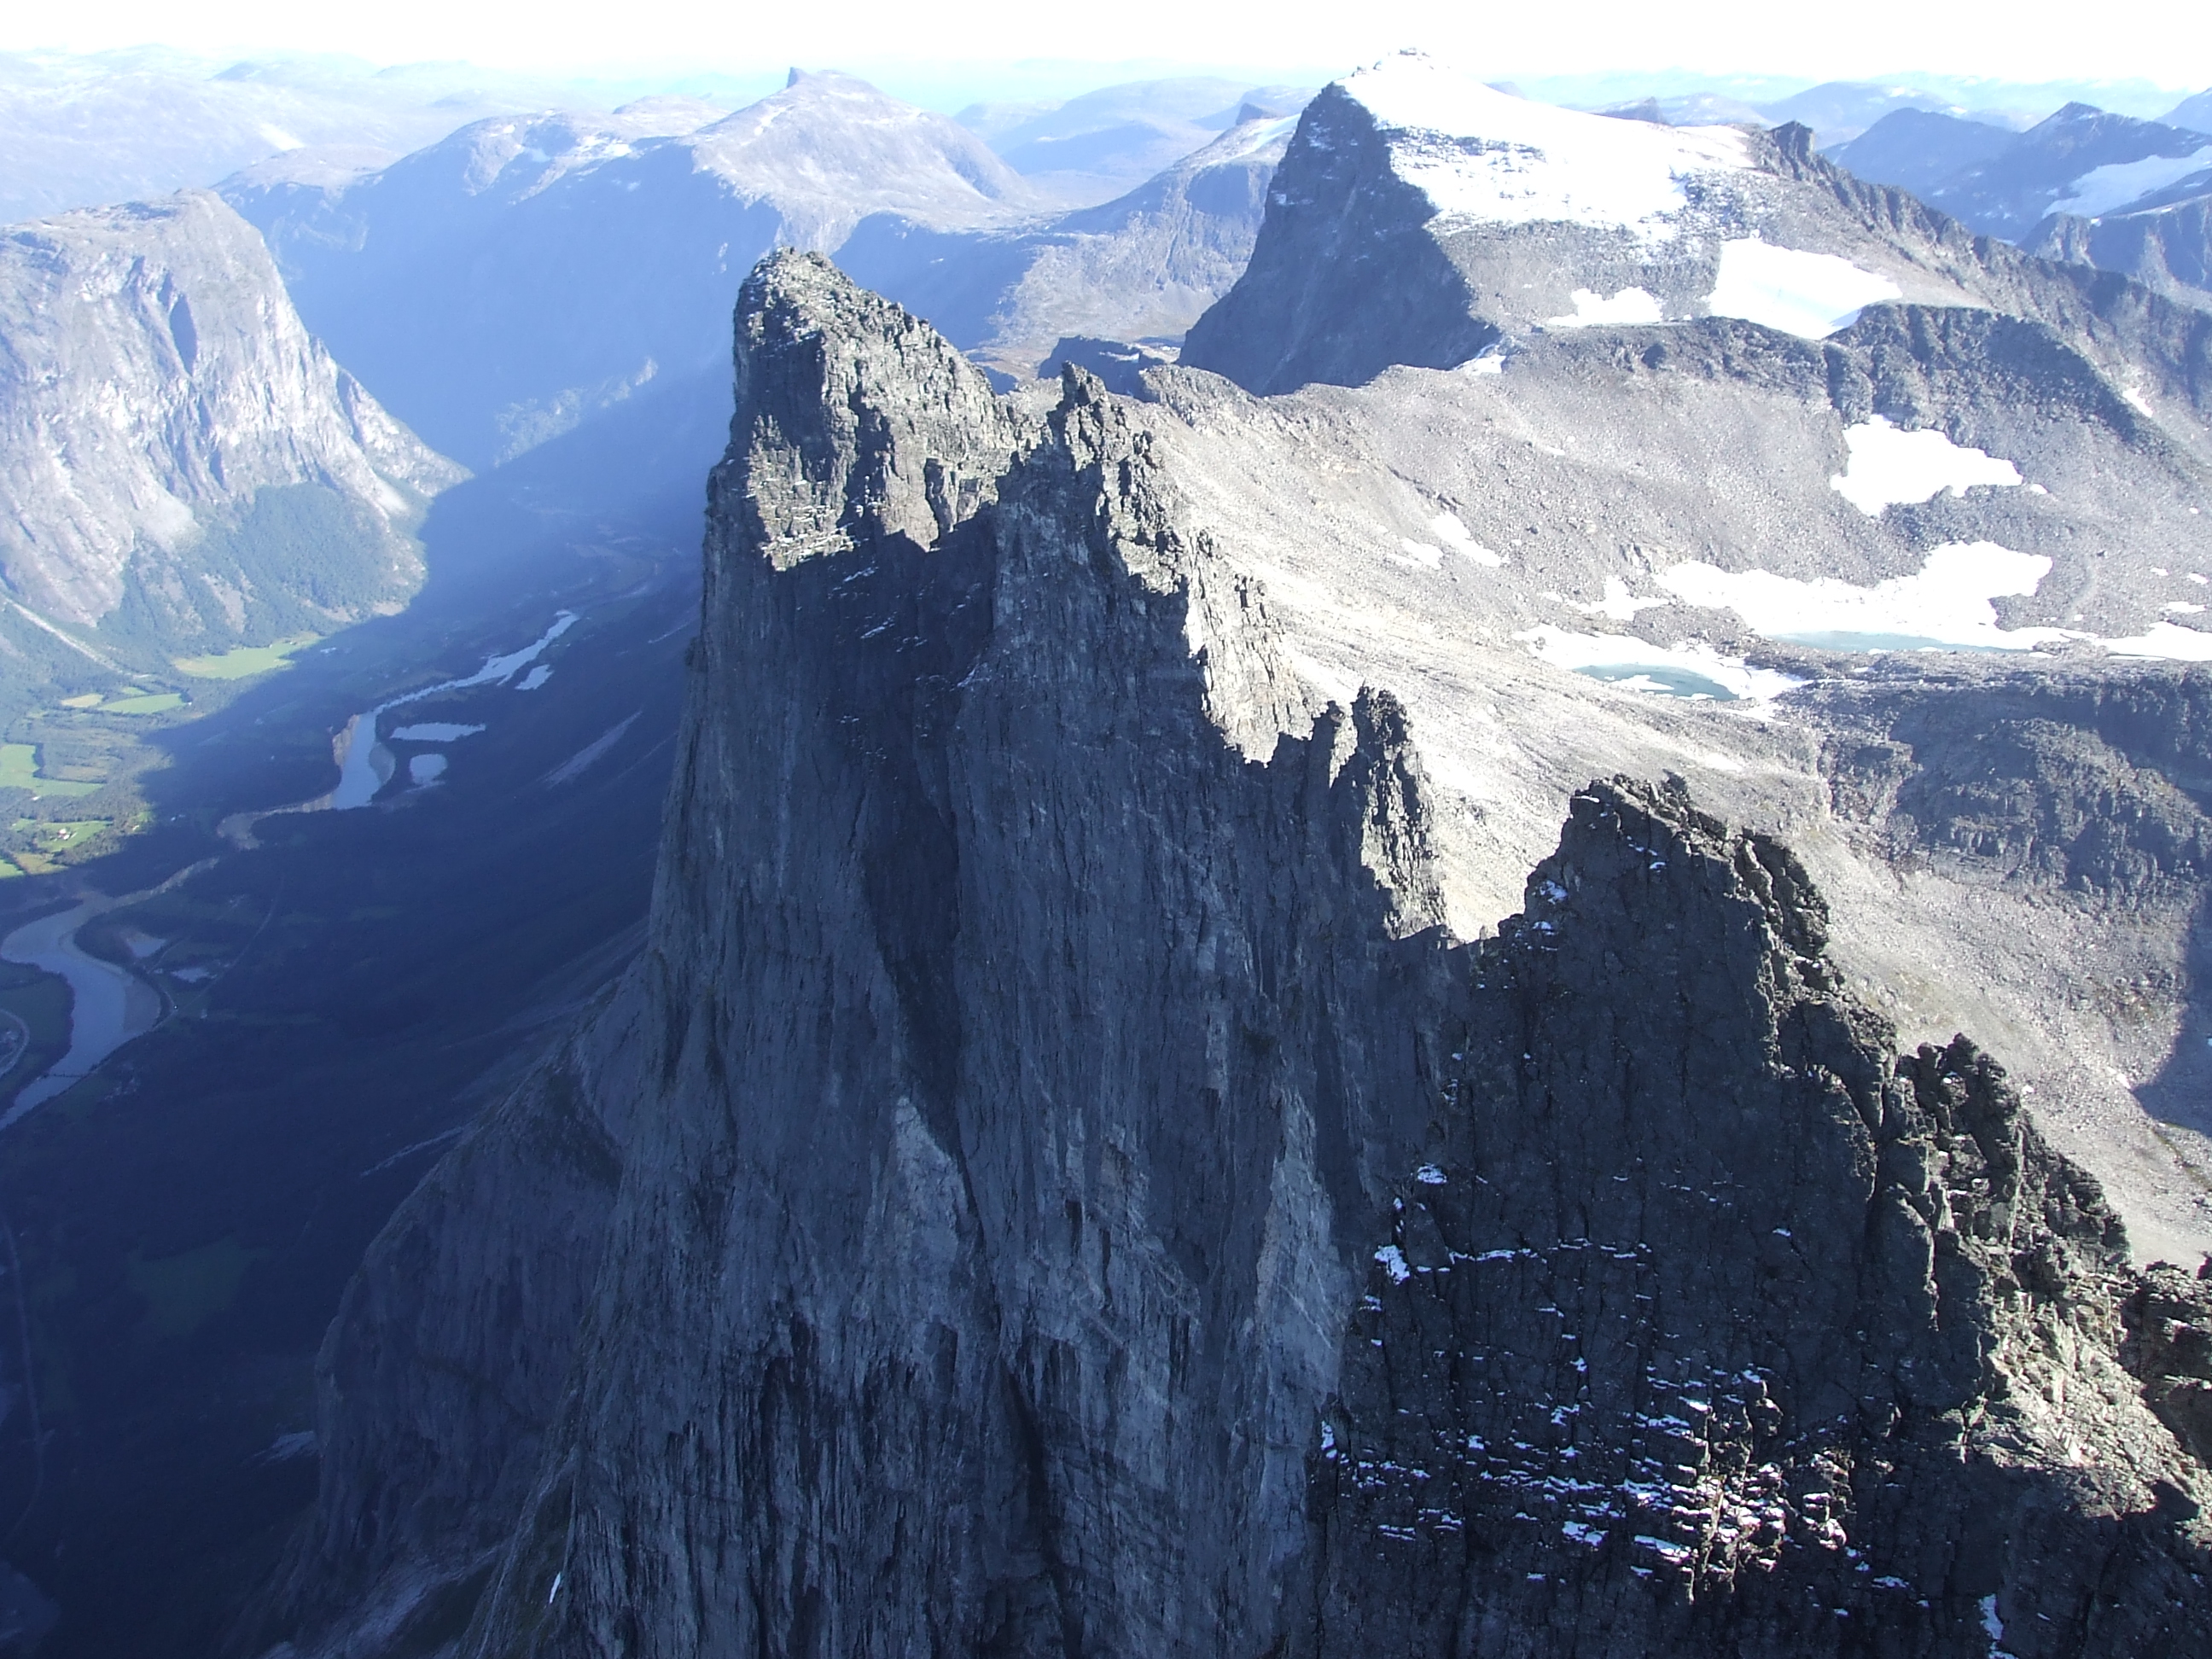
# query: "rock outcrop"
175,446
1053,1184
1715,1328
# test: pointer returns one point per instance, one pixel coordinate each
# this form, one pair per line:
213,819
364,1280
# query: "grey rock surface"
1056,1065
165,420
1669,1353
2164,244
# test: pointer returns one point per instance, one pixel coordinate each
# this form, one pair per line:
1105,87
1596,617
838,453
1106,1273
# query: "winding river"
108,1005
365,765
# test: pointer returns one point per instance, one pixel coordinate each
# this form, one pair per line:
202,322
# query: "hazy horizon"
950,85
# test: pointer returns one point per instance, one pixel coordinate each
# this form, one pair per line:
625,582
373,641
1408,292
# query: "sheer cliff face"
1053,1186
155,382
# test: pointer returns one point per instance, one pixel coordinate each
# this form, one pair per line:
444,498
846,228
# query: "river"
108,1005
365,765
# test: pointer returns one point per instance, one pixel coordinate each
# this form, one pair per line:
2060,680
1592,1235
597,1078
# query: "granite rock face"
161,407
970,1225
1714,1327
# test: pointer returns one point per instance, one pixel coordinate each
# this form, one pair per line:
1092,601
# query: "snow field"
1890,468
1808,294
1486,154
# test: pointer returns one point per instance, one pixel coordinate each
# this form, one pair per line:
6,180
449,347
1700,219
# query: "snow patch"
1447,529
1485,155
2168,641
1618,605
426,768
1394,1263
1630,306
1890,468
434,732
2101,190
1809,295
1947,602
536,677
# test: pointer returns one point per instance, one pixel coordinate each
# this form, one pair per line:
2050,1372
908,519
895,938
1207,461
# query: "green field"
41,1002
53,836
19,769
247,661
159,703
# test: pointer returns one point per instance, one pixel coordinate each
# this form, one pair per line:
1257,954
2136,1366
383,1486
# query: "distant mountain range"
2084,185
499,287
1121,136
79,131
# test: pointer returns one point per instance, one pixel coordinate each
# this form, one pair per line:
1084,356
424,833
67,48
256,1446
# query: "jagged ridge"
986,1157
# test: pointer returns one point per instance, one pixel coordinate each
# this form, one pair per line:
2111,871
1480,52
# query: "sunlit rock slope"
180,461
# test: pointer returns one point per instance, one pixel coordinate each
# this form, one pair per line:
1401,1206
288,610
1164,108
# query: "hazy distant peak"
2194,113
830,148
314,167
671,113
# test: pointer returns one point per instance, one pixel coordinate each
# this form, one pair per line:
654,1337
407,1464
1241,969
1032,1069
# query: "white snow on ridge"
1890,468
1808,294
1946,602
1631,305
2101,190
1483,154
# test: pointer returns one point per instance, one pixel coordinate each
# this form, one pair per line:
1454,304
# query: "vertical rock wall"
1062,1191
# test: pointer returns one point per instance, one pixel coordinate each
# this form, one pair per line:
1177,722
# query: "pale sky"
2168,42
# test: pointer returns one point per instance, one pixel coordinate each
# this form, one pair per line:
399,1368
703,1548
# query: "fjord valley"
1232,868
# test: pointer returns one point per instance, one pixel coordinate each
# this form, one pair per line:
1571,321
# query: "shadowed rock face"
1716,1329
971,1226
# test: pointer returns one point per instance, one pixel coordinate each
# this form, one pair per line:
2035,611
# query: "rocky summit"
1066,1175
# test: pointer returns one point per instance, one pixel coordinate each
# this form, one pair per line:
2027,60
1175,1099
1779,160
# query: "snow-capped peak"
1481,154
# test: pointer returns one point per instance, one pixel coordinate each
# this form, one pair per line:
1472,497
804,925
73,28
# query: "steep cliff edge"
180,461
953,1235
